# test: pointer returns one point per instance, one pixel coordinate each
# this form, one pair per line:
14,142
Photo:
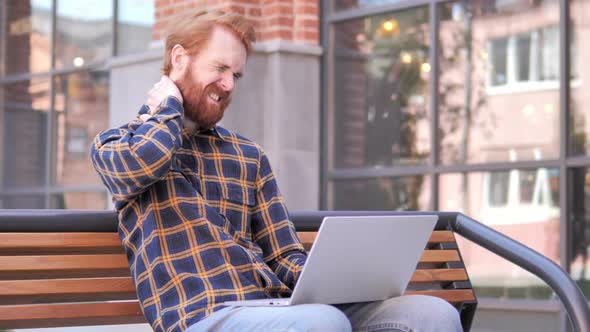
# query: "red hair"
193,31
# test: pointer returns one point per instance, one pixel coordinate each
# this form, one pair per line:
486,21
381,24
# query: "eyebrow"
224,66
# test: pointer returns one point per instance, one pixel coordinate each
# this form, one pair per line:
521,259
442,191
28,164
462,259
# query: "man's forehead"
226,48
224,37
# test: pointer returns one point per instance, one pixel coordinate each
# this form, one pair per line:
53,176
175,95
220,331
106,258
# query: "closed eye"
221,68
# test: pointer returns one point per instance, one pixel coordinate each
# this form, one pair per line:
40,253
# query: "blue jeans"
405,313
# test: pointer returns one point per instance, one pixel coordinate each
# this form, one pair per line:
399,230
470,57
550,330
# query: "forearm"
131,159
272,229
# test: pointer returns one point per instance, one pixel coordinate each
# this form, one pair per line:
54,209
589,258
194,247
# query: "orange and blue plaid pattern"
200,217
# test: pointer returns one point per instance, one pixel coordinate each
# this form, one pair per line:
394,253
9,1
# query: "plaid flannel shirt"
200,217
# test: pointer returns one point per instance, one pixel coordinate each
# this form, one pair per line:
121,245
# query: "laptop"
357,259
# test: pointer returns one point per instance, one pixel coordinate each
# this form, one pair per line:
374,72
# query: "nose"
227,82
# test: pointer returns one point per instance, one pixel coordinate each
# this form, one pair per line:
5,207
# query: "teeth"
214,96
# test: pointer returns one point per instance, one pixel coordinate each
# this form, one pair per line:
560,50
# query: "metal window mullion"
53,33
367,172
24,191
115,28
325,80
49,166
79,188
3,38
578,161
3,44
434,77
564,94
565,178
54,72
355,13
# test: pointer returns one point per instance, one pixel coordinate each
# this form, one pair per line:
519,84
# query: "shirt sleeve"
132,157
272,229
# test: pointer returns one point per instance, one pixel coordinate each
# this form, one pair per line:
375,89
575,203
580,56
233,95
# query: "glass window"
22,202
24,109
498,187
27,43
549,53
498,63
81,111
84,32
349,4
579,222
532,219
579,142
381,79
523,57
77,141
528,181
401,194
134,25
79,201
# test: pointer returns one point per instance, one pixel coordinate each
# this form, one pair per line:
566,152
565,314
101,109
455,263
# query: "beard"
198,106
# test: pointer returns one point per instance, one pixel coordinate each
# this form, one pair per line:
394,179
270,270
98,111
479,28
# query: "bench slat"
70,314
446,275
441,237
42,243
66,286
63,263
439,256
449,295
125,284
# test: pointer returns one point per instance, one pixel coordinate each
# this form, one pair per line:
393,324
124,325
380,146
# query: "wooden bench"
57,270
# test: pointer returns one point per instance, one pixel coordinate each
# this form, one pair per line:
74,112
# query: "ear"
179,58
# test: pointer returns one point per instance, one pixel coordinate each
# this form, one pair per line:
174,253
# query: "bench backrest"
74,279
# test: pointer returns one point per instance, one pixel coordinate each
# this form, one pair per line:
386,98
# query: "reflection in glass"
84,32
24,111
523,49
391,194
499,77
79,201
134,25
579,134
498,61
381,79
498,188
579,224
27,34
522,204
81,111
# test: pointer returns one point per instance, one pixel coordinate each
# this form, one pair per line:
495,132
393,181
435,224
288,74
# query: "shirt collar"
216,131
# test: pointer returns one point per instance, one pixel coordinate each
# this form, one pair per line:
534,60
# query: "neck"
191,125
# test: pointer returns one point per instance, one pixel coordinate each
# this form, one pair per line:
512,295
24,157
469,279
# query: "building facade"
473,106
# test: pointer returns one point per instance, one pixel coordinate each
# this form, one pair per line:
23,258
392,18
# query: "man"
200,215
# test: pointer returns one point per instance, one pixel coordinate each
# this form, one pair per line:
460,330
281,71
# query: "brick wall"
289,20
18,36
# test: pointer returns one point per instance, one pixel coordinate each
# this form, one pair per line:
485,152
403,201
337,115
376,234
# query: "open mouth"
215,97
